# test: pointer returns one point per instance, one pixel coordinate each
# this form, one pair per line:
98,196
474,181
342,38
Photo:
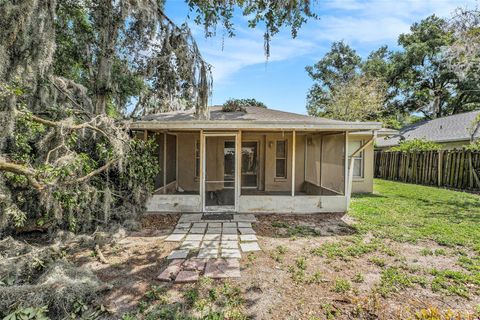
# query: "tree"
232,105
360,99
66,67
339,66
423,81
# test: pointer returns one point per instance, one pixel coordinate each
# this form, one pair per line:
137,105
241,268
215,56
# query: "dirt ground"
288,279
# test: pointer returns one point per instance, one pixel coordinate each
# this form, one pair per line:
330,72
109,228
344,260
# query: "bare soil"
269,289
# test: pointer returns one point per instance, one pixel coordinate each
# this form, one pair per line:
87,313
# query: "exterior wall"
251,204
289,204
174,203
365,184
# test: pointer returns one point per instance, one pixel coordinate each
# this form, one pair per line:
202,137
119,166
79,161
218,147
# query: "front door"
220,175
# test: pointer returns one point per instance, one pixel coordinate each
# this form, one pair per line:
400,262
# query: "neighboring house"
450,132
261,160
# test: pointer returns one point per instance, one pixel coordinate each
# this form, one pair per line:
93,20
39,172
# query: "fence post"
440,167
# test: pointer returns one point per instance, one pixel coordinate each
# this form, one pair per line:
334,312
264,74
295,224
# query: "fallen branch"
100,255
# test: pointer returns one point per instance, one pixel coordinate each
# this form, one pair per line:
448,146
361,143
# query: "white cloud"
361,23
246,49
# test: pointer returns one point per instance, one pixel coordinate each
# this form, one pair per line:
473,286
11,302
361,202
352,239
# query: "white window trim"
283,178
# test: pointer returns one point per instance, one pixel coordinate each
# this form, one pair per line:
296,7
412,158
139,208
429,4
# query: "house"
257,160
450,132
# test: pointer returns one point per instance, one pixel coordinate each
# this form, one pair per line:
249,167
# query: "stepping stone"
180,231
246,231
229,230
230,225
214,230
214,225
213,236
214,244
229,244
244,224
230,253
198,230
194,264
244,217
222,268
229,237
178,254
199,225
171,270
250,246
207,253
248,237
184,225
175,237
190,245
195,237
186,276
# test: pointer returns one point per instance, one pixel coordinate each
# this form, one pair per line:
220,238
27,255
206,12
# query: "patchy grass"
408,212
393,280
204,300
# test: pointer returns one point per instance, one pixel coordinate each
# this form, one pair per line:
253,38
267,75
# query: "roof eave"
237,125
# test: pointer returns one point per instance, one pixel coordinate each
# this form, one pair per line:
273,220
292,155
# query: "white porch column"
345,152
202,170
294,147
164,162
238,168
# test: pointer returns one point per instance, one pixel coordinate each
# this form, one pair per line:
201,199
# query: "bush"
416,145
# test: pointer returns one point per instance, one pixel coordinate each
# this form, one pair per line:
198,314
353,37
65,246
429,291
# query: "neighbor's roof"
457,127
253,118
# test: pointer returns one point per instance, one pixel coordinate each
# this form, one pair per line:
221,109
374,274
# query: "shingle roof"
456,127
254,116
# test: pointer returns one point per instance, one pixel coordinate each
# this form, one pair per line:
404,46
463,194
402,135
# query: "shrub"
416,145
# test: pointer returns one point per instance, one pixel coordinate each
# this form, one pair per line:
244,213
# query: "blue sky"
240,69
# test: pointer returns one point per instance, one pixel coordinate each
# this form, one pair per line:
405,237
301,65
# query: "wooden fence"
458,169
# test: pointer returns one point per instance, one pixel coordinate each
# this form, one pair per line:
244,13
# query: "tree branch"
22,170
93,173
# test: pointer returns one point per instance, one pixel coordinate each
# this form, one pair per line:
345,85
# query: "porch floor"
211,247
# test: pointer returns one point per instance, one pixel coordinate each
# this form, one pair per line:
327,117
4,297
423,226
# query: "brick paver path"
212,247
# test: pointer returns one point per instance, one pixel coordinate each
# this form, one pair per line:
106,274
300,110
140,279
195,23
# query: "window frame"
285,158
361,157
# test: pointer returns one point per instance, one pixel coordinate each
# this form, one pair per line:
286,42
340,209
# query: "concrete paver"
178,254
249,246
248,237
186,276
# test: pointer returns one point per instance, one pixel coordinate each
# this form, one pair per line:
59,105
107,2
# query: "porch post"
202,170
238,168
293,161
346,167
164,161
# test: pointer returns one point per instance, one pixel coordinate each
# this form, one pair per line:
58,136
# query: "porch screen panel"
158,137
312,184
171,165
333,163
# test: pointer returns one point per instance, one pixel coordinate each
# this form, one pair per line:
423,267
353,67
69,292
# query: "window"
358,159
281,159
197,158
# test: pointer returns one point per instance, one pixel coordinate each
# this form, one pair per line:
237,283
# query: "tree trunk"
107,21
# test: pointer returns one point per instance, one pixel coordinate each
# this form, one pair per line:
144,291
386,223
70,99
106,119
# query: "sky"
240,69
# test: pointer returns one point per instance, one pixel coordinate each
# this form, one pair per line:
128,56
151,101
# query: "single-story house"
451,132
257,160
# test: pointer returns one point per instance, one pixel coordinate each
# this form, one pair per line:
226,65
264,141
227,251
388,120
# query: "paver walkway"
211,247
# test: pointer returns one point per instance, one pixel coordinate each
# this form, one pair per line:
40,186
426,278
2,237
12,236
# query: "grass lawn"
407,212
404,252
